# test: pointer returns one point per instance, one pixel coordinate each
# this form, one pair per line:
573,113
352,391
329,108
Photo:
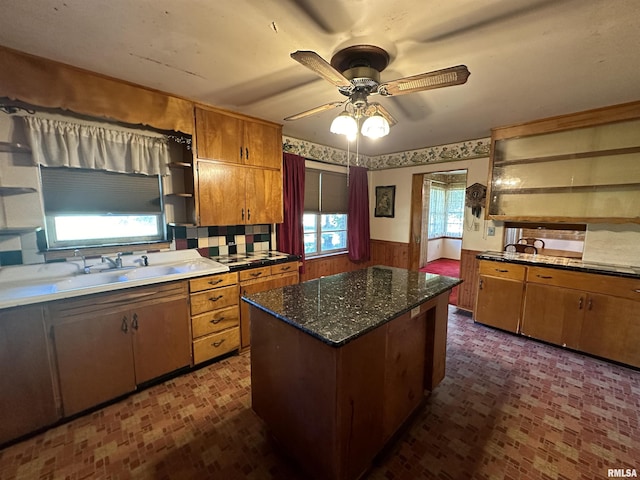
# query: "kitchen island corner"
338,364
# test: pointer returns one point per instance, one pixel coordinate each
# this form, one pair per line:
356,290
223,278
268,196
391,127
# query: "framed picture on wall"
385,201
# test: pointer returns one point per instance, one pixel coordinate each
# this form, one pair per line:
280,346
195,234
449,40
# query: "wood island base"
333,409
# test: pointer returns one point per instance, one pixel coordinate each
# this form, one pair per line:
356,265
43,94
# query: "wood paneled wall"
467,291
392,254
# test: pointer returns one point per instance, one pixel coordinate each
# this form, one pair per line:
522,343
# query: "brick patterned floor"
509,408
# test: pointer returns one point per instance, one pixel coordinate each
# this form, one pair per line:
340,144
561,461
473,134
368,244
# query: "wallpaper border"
478,148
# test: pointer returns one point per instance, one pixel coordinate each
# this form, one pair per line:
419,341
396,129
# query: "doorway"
437,216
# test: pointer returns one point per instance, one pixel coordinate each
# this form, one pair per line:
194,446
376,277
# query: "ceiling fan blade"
446,77
313,111
321,67
385,113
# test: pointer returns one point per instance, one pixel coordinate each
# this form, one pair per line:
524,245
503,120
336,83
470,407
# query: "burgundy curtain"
290,232
358,241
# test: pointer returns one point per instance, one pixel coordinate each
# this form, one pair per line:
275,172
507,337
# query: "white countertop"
28,284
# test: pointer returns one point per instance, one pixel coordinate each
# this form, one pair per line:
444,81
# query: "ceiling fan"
355,70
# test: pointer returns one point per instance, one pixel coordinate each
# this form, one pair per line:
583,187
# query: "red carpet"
448,268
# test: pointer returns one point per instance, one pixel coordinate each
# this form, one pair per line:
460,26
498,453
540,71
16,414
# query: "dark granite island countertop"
340,308
339,363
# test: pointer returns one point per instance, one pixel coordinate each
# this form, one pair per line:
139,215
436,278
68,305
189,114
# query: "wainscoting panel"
392,254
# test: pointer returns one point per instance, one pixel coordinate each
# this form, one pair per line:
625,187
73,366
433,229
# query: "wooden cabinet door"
553,314
404,369
95,359
221,194
499,303
611,328
27,401
263,145
218,136
161,338
264,196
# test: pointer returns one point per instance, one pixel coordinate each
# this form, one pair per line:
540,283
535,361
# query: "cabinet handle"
215,299
580,303
637,290
243,214
217,344
480,284
589,304
544,276
255,274
248,214
241,153
501,270
134,323
215,282
124,326
246,154
216,321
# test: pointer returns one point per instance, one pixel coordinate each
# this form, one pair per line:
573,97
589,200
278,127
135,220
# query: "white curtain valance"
56,143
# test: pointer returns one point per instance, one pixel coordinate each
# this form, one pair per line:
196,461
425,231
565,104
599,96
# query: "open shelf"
568,156
6,191
18,230
184,195
14,147
180,165
574,188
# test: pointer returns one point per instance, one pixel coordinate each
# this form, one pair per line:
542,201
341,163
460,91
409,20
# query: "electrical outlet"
476,226
491,231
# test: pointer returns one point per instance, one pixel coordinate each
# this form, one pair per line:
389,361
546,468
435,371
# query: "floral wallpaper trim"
442,153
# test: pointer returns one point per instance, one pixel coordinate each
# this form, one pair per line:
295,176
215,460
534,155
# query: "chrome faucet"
117,263
85,268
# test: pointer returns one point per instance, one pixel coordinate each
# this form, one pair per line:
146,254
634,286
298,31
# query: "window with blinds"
94,207
326,198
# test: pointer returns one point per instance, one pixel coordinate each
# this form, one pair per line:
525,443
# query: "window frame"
51,214
319,232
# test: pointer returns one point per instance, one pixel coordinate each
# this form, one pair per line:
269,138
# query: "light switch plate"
491,231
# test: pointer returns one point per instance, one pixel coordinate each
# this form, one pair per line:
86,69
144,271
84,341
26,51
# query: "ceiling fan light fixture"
345,124
375,126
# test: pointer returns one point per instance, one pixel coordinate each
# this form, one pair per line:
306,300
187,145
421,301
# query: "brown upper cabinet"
237,195
231,138
583,168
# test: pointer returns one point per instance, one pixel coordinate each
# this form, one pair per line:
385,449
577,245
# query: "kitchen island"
338,364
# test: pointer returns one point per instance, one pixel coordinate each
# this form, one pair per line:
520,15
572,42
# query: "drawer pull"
218,343
544,276
637,290
255,274
215,282
284,269
215,299
501,270
215,321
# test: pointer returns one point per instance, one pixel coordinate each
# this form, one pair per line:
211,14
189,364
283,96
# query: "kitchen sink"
20,283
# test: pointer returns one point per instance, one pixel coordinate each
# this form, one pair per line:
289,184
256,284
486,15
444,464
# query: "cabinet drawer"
254,273
284,268
217,344
214,299
216,321
503,270
213,281
590,282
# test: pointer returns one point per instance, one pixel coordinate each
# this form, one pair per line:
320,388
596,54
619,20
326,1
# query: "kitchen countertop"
243,261
563,263
342,307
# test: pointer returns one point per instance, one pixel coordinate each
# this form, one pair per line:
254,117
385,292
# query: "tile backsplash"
228,240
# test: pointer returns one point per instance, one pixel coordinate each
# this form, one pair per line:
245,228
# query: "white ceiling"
528,59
